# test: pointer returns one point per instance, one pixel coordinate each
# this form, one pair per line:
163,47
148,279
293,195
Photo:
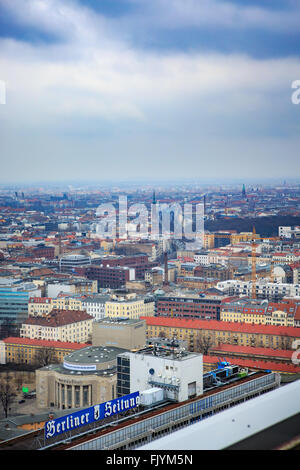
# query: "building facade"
189,306
75,286
34,351
95,305
111,277
38,306
14,303
244,311
121,333
195,332
130,306
73,326
69,263
87,377
179,375
264,290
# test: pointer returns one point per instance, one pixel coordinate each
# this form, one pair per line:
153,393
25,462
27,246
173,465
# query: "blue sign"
90,415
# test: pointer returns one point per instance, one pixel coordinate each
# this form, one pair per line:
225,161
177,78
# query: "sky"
137,89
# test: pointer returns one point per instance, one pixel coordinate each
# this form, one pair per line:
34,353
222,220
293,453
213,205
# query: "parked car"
29,395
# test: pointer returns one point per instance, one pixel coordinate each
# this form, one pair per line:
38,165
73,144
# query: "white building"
78,286
178,374
264,289
69,263
289,232
95,306
202,258
296,274
285,258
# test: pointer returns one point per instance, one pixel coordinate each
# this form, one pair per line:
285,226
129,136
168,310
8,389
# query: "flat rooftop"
97,360
167,352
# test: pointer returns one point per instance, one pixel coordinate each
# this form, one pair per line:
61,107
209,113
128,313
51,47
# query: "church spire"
154,198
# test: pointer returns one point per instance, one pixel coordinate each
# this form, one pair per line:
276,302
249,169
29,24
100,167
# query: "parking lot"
26,408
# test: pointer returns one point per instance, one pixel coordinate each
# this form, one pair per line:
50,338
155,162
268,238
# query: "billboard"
66,423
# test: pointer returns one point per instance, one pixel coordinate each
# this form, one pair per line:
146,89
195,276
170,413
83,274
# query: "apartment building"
38,306
289,232
284,313
264,290
34,351
202,258
75,286
111,277
195,282
215,271
73,326
138,263
295,267
286,257
129,305
244,310
69,263
215,332
95,305
189,306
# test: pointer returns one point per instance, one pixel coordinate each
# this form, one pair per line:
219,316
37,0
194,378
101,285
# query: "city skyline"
127,90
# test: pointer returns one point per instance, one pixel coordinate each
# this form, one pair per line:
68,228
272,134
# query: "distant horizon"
204,182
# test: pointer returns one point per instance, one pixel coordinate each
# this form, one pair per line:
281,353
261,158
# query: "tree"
253,341
45,356
203,343
286,342
8,389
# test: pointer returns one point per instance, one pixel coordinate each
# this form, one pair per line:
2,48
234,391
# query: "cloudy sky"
138,89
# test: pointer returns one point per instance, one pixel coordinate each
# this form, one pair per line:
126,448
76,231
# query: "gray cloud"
93,104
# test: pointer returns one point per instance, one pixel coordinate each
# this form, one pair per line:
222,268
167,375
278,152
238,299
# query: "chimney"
166,280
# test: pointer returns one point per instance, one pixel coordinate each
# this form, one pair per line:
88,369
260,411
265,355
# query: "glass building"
14,303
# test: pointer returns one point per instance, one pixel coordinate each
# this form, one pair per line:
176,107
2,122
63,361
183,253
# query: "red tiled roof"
295,265
59,318
289,306
40,300
225,347
44,342
223,326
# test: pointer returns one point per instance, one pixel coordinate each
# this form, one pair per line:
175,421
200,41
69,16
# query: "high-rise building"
14,298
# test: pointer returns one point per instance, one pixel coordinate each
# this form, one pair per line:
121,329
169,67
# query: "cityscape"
149,228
